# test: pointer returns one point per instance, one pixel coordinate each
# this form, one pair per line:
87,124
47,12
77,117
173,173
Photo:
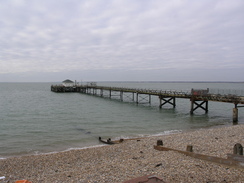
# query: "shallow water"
35,120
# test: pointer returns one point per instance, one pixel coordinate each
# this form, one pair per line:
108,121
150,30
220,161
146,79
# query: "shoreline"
167,132
134,158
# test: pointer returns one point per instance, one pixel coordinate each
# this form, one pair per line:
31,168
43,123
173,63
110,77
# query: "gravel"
134,158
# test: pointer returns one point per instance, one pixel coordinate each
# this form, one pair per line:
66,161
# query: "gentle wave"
167,132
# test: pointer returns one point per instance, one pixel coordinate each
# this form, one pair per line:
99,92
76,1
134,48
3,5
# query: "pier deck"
165,96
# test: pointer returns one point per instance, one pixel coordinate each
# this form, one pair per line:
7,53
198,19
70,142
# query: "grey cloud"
144,36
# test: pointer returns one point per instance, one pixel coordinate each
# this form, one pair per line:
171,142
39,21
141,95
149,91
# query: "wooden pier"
199,98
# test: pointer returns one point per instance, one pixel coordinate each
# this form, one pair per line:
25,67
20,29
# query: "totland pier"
199,98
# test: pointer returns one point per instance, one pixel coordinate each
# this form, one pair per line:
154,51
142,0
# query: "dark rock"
160,164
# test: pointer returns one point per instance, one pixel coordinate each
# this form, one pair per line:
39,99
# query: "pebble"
130,159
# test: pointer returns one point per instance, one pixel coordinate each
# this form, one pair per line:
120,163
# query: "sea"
34,120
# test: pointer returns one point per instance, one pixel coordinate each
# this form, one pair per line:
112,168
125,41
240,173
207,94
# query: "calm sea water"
35,120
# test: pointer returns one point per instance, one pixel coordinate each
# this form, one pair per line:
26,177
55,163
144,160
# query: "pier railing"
180,94
208,94
232,96
235,92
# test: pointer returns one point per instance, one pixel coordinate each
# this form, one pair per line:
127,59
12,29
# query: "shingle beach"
134,158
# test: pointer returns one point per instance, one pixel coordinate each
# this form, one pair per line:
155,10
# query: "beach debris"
238,149
110,142
189,148
146,179
3,177
22,181
157,165
159,142
235,160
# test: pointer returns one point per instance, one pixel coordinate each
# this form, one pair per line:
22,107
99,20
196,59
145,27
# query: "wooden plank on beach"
229,162
111,142
236,157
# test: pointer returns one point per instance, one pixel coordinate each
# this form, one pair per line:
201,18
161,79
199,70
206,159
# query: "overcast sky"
122,40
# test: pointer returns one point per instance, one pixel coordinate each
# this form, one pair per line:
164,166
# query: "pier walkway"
199,98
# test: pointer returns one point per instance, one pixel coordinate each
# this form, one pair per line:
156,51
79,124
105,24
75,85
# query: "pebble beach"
134,158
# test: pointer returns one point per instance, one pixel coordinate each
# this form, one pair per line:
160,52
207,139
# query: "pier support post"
101,92
199,106
110,93
94,91
143,97
235,114
166,101
121,95
137,95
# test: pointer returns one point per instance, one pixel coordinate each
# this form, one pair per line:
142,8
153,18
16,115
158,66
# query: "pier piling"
166,101
235,115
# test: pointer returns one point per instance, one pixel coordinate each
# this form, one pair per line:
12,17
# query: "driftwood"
234,160
110,142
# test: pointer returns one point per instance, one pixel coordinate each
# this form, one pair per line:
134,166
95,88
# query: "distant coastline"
172,81
126,81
